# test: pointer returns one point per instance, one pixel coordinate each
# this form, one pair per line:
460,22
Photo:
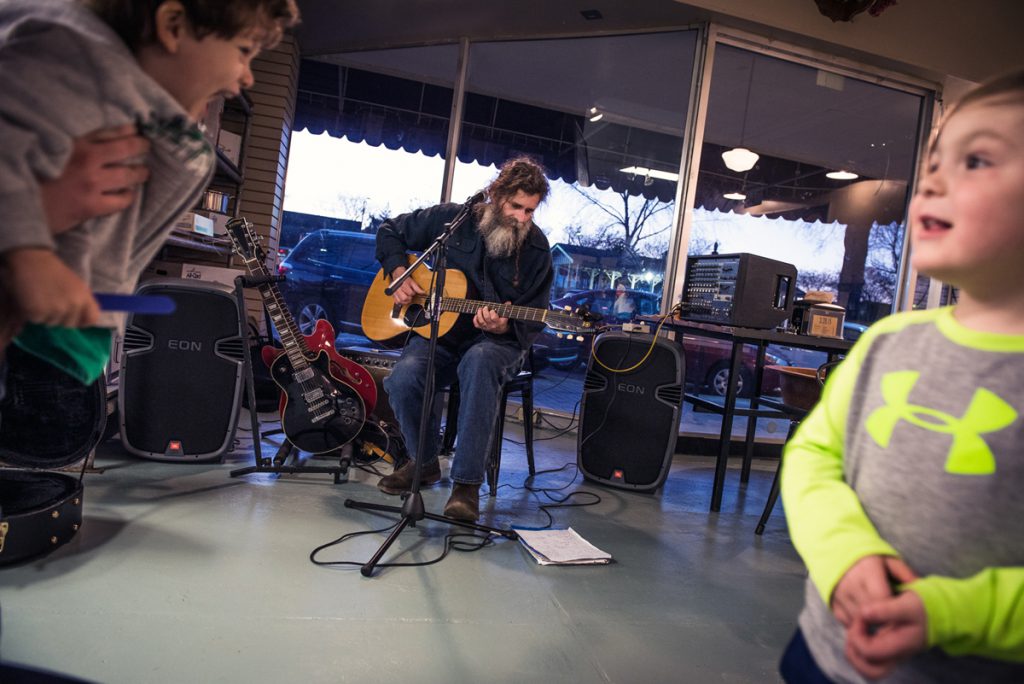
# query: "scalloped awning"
399,113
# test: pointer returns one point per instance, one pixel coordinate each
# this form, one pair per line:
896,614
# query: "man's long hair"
518,173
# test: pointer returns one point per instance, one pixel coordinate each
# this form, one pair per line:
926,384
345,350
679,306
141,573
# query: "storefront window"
606,117
826,188
826,191
371,132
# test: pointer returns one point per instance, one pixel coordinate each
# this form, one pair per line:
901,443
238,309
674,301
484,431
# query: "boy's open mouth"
931,224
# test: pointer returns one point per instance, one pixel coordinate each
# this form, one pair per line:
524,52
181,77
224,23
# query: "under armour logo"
969,454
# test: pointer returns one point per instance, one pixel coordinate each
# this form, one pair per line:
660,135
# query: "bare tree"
631,218
351,207
603,238
885,245
700,244
817,280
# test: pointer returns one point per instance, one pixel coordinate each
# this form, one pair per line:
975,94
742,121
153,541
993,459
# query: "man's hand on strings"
488,320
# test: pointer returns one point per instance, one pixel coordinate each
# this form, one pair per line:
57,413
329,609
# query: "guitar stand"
286,460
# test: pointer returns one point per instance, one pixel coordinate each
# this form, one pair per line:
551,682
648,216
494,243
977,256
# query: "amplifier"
379,362
743,290
382,359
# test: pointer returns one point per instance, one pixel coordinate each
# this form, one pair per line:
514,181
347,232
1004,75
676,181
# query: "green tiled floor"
183,574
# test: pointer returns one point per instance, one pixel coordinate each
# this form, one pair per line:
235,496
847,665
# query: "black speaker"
744,290
629,415
181,374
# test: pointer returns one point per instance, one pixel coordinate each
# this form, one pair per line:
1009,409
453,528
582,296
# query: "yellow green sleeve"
828,526
981,615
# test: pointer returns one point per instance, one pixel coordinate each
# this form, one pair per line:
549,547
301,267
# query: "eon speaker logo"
185,345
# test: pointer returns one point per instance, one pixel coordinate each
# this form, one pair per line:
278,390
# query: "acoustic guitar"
385,321
320,410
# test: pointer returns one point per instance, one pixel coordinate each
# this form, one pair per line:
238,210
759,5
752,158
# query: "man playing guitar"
506,258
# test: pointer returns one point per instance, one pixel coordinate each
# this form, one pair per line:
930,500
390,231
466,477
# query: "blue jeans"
482,366
798,665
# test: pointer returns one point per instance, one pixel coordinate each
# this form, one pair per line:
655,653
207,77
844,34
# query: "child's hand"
102,176
885,633
46,291
867,581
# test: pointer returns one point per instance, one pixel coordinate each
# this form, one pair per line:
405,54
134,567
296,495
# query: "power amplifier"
742,290
381,359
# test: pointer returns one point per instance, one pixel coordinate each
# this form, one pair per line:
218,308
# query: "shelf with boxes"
202,230
230,137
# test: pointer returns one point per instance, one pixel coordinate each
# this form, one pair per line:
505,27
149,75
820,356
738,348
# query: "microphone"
475,199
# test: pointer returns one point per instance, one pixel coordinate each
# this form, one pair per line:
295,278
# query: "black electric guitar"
319,411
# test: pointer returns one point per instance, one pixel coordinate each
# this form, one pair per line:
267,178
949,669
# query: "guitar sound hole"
415,316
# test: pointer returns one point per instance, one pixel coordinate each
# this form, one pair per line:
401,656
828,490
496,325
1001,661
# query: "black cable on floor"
455,541
561,430
550,493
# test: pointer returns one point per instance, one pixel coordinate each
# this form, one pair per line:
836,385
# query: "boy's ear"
170,25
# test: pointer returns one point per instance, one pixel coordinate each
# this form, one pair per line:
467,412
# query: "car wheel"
718,381
308,314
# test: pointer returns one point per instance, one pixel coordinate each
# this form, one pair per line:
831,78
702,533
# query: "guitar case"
47,420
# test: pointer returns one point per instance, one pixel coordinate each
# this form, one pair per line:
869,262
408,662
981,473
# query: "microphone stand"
412,510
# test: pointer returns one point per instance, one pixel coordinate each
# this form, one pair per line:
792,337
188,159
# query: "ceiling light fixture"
739,158
734,196
650,173
594,114
841,175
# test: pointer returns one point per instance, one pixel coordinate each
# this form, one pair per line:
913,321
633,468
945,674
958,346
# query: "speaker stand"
280,463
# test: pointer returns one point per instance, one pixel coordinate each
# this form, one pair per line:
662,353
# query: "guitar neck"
471,306
291,338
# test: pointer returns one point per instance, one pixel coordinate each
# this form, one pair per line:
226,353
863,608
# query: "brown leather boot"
464,503
401,480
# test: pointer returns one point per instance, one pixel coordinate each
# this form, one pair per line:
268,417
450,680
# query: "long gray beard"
502,235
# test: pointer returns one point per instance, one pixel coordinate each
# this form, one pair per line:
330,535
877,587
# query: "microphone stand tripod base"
412,511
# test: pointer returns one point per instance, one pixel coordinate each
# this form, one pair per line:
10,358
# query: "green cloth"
82,353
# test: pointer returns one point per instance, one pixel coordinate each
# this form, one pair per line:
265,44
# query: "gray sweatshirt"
64,73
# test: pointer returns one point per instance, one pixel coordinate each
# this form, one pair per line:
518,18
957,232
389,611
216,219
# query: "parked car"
707,359
327,275
852,331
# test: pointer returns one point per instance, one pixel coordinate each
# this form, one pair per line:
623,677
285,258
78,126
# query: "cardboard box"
220,223
161,269
217,274
231,145
197,223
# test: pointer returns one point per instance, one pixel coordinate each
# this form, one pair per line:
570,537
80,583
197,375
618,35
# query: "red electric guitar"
317,411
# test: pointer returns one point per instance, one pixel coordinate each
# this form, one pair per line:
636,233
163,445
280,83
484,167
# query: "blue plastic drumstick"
143,304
